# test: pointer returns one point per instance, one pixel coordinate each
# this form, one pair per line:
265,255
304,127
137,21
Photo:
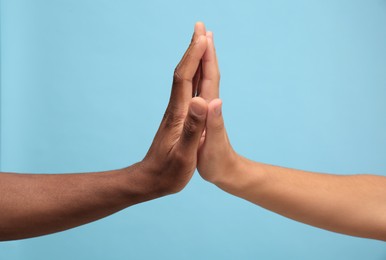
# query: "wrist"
227,172
141,183
156,179
242,176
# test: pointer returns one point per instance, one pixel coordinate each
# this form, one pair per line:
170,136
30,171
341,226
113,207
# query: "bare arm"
38,204
353,205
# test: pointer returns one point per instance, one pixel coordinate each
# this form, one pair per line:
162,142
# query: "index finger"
185,71
210,81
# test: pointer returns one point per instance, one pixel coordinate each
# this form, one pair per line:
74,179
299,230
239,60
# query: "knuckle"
195,119
191,127
177,76
189,131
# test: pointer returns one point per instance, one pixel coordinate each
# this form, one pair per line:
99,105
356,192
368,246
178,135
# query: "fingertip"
215,104
199,29
215,107
199,100
209,34
199,26
198,106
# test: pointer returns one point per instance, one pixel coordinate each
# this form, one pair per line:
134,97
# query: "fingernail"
197,110
217,110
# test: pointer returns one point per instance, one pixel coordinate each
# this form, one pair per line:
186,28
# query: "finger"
215,129
182,88
199,29
194,126
210,72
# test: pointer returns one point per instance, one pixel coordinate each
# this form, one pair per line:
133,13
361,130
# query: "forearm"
354,205
38,204
32,205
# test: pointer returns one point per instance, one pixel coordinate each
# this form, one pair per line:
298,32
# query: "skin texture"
353,205
37,204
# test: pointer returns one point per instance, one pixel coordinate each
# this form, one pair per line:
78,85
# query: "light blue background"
84,85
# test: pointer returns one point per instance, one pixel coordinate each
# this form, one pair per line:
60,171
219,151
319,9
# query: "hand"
216,157
172,157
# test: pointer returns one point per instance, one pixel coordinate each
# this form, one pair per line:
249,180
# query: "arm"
38,204
353,205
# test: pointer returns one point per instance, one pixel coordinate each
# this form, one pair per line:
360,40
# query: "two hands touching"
189,136
192,132
192,135
353,204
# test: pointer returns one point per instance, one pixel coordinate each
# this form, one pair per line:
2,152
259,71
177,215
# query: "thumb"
194,126
215,129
